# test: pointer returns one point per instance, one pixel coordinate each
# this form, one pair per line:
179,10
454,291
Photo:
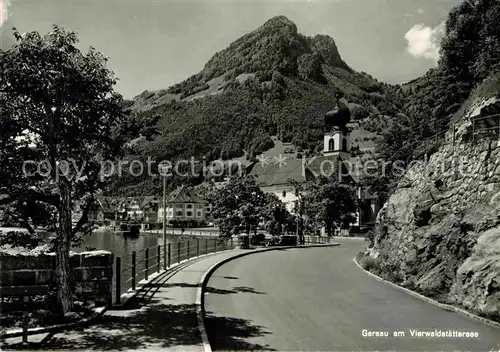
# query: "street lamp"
250,227
163,171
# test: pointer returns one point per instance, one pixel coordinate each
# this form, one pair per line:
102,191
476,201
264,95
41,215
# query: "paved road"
317,299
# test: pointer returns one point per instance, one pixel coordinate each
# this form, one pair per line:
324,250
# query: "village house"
182,205
111,211
149,207
105,211
186,206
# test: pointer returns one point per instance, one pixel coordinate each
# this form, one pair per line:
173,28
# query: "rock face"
439,233
276,45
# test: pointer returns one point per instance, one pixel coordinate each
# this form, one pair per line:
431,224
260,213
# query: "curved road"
317,299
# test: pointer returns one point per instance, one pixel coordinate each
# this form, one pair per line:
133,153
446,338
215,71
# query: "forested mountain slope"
272,81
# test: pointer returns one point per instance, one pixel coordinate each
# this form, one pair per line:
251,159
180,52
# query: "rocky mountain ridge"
271,82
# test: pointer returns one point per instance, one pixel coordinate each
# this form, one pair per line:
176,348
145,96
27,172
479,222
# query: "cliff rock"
439,233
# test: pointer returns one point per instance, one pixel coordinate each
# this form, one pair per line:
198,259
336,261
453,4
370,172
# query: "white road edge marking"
444,306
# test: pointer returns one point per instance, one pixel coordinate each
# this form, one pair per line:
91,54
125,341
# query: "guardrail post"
25,320
197,247
498,122
169,254
118,280
159,258
453,136
473,130
164,256
178,252
206,245
146,264
188,245
215,245
133,270
232,245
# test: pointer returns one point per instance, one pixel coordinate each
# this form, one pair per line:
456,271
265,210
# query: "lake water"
181,248
118,244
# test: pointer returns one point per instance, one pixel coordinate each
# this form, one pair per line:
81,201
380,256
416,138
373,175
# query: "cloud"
424,41
4,11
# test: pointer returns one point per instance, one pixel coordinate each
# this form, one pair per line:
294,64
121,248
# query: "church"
334,163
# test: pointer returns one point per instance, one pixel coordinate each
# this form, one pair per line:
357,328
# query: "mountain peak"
281,22
275,46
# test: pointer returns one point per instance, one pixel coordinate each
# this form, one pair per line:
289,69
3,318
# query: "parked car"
273,241
258,239
288,240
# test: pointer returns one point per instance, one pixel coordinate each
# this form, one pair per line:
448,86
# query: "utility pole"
250,237
297,226
164,215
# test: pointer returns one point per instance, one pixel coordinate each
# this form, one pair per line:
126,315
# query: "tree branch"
84,219
29,195
22,220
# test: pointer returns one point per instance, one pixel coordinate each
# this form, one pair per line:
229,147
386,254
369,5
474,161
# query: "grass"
489,88
368,263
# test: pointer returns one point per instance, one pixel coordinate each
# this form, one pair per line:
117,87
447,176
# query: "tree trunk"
301,231
329,228
64,292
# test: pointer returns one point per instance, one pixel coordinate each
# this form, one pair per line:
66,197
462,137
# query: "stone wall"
92,273
439,233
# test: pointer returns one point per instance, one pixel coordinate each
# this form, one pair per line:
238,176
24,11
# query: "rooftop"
300,170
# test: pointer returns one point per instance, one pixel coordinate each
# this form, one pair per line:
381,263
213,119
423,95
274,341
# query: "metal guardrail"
475,130
488,131
318,239
186,232
139,265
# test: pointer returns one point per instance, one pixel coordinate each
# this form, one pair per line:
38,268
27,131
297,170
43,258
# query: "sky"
152,44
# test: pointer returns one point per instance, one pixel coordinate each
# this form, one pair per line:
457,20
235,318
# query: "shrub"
19,239
370,238
263,144
369,263
490,87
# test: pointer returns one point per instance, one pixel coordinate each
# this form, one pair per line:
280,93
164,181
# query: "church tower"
337,143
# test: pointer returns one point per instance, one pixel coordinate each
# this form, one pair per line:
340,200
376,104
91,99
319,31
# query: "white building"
184,205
